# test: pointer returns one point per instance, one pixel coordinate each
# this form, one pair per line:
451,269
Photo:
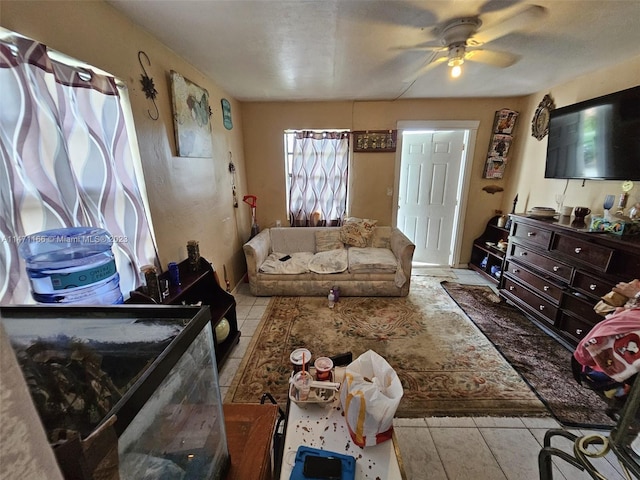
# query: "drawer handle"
577,250
523,254
546,288
579,331
511,288
531,234
516,270
541,307
556,268
593,286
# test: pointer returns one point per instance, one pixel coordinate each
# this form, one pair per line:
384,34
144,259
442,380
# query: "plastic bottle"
72,265
332,299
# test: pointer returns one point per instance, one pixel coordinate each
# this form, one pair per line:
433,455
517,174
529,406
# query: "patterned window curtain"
65,161
318,189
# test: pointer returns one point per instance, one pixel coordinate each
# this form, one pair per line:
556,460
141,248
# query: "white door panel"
427,195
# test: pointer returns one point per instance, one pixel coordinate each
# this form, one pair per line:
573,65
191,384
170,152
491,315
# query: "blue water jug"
72,265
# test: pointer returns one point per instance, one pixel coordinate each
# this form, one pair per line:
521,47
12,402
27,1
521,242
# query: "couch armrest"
256,252
403,249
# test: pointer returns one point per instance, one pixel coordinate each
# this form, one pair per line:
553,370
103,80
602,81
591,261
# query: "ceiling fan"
461,39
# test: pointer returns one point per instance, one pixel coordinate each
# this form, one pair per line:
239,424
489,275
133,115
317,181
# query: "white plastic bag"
370,395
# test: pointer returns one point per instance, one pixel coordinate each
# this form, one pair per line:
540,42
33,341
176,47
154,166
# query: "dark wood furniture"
556,271
201,286
250,431
485,254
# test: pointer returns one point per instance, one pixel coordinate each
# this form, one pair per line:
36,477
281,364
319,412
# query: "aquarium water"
72,265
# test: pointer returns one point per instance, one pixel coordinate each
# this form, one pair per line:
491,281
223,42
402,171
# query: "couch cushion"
356,231
380,238
331,261
298,263
328,240
371,259
293,239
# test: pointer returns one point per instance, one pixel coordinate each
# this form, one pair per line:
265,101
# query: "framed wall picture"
191,118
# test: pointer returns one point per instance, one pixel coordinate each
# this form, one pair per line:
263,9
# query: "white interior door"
428,192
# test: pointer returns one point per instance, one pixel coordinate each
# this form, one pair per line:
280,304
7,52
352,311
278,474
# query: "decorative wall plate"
540,122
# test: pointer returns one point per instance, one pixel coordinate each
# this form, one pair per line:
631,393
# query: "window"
317,165
67,160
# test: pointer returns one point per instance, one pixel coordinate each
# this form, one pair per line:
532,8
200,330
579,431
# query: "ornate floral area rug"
542,361
446,365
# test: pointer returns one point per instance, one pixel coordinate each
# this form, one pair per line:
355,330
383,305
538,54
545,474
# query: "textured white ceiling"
267,50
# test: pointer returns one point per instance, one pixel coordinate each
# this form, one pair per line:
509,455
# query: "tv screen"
596,139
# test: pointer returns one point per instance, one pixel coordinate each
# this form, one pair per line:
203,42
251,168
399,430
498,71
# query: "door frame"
462,191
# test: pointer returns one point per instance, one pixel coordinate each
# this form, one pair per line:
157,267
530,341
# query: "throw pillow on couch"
356,232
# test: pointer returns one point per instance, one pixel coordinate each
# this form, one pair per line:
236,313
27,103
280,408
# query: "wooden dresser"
556,272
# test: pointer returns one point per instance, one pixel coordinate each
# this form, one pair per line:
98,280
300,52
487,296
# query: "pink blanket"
613,345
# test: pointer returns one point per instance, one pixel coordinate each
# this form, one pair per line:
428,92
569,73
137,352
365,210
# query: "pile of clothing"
607,359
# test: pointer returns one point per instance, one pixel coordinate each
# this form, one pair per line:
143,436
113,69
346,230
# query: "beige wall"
190,198
371,174
527,176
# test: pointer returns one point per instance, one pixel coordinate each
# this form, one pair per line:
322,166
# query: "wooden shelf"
374,141
201,286
484,257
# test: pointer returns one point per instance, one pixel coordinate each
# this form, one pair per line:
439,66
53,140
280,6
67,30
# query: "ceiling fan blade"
493,58
518,21
433,45
436,60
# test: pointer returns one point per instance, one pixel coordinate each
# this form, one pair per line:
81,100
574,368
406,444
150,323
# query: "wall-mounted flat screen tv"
598,139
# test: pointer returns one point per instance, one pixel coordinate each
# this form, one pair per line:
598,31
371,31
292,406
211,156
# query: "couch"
309,261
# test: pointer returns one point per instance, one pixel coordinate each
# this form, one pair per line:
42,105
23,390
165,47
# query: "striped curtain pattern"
65,161
318,188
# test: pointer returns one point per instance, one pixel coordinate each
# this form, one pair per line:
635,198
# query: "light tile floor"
450,448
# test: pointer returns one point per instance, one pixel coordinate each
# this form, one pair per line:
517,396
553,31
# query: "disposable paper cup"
323,369
296,359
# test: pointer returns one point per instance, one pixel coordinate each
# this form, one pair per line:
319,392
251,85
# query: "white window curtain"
319,173
66,160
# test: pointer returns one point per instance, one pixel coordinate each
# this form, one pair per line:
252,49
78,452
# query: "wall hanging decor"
374,141
226,114
501,138
191,114
148,87
540,122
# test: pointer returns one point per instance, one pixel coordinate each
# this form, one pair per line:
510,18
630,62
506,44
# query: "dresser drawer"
590,284
535,235
572,327
581,308
597,256
532,302
551,266
542,285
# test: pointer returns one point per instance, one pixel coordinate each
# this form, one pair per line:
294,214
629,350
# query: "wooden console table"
201,286
556,271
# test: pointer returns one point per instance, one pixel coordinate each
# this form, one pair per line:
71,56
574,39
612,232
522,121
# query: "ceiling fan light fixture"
456,59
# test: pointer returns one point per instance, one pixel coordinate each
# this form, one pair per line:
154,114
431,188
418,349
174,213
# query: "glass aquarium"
153,368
